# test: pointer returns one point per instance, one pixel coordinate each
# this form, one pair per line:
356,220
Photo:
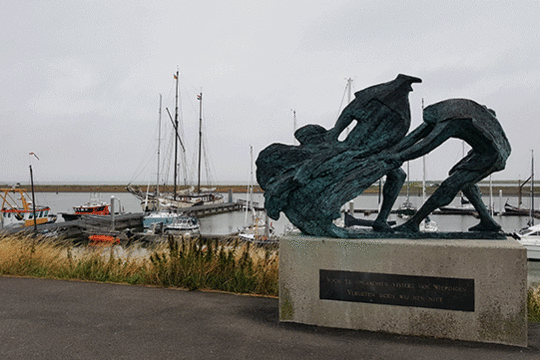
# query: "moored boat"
407,209
529,237
428,225
163,217
259,230
464,208
184,199
519,211
184,225
179,199
95,206
20,212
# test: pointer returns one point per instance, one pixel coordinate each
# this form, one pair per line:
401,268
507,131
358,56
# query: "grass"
533,304
179,263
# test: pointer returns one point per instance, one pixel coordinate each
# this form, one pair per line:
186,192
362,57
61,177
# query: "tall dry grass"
179,263
533,304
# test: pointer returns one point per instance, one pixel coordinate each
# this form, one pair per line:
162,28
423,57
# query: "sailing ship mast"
159,149
423,166
33,200
532,190
349,97
294,126
176,136
33,196
249,204
199,97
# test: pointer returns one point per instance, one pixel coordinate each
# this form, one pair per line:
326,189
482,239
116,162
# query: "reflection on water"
227,223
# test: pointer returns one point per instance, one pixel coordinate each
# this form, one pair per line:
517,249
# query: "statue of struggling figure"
311,182
478,126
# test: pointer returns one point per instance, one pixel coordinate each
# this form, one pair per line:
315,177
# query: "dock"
451,211
114,225
86,224
212,209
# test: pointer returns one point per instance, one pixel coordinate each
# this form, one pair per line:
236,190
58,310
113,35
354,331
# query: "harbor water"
227,223
223,224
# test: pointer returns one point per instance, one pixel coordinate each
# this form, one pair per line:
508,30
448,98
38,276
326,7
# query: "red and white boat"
95,206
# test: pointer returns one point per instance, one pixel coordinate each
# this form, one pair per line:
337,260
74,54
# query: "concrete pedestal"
473,290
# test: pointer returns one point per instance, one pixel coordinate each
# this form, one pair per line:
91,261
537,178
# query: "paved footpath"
52,319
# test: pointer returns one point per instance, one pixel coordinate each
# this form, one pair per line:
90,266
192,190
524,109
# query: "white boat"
18,210
428,225
406,210
164,217
529,237
184,225
258,231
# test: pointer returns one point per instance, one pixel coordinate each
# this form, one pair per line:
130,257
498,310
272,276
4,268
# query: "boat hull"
533,252
164,218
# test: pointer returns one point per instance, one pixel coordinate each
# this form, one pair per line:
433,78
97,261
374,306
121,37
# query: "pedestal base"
473,290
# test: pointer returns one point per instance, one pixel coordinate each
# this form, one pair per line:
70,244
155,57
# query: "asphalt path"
53,319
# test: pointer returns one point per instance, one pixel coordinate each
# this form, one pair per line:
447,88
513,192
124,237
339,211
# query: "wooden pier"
108,224
94,224
206,210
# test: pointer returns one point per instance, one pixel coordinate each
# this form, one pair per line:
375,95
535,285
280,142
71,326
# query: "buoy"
104,239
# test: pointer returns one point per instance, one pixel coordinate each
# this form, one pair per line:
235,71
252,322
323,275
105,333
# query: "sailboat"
518,210
158,209
159,213
407,209
185,198
529,237
203,196
259,230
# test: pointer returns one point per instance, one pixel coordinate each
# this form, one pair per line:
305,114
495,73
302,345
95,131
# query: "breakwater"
415,188
122,188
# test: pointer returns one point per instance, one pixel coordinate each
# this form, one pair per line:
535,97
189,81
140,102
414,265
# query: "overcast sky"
80,80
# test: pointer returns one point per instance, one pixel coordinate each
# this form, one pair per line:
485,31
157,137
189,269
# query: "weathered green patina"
310,182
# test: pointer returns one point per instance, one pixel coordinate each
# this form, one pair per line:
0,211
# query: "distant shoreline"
122,188
414,190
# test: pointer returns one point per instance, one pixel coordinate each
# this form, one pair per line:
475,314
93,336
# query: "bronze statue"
475,124
311,182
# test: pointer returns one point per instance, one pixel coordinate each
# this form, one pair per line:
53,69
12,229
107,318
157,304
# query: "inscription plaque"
394,289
